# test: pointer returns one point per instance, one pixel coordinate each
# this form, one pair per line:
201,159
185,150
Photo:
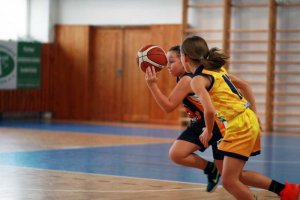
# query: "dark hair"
197,50
176,49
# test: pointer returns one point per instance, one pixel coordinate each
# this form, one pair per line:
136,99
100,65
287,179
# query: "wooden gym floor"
80,161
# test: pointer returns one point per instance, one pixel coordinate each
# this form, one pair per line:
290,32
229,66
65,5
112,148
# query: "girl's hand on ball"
150,76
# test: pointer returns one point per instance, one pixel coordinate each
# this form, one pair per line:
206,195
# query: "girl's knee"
175,156
227,183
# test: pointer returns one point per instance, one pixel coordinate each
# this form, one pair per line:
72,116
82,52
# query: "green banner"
20,65
28,65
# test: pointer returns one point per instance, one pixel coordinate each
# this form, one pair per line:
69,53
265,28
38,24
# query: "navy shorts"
191,134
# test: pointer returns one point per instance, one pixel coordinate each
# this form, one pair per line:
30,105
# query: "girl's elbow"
210,113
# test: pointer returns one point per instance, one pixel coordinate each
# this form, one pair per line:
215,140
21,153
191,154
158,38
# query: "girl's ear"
186,58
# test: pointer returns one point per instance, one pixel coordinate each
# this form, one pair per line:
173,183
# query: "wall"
119,12
134,12
249,51
44,14
97,78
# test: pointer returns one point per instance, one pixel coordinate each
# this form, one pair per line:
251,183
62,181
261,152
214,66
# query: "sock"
210,167
276,187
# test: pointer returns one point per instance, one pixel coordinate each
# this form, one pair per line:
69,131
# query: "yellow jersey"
226,98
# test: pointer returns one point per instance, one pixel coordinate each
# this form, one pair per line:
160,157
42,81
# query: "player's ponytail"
215,59
197,50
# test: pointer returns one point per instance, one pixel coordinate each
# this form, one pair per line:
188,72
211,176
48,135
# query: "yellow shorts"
242,136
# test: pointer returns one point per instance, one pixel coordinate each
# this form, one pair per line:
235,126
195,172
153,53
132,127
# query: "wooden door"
70,72
136,96
165,36
106,74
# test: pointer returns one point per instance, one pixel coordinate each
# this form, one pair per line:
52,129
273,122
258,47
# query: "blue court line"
269,140
279,159
144,161
91,128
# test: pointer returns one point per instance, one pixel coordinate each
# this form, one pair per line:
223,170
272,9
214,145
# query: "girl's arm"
245,89
180,91
199,85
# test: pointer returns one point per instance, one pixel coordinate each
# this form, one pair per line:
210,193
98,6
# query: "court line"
102,191
96,174
122,124
202,188
96,146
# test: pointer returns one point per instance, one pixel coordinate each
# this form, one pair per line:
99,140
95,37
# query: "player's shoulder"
185,79
190,75
216,71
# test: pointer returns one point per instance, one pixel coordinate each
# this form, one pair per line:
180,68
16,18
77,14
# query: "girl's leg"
249,177
253,178
182,153
256,179
232,170
219,164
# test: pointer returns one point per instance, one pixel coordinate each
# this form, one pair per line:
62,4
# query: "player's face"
174,64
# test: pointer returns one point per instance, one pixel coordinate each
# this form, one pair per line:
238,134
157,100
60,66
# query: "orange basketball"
151,55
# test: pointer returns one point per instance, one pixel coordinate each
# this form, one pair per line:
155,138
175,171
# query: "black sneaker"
213,180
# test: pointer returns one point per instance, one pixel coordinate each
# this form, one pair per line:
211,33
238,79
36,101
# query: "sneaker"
290,192
213,180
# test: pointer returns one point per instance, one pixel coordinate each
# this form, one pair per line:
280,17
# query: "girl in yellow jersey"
183,149
219,96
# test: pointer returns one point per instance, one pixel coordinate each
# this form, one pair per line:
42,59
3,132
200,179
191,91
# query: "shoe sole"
214,188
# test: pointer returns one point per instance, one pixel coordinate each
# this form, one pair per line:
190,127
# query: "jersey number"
232,87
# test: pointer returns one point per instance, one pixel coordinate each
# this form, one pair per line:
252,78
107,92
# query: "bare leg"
253,178
232,170
182,153
249,177
219,164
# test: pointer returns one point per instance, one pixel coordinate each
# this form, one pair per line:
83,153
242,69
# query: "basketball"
151,55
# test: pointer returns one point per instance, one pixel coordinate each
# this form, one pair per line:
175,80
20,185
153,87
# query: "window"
13,19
